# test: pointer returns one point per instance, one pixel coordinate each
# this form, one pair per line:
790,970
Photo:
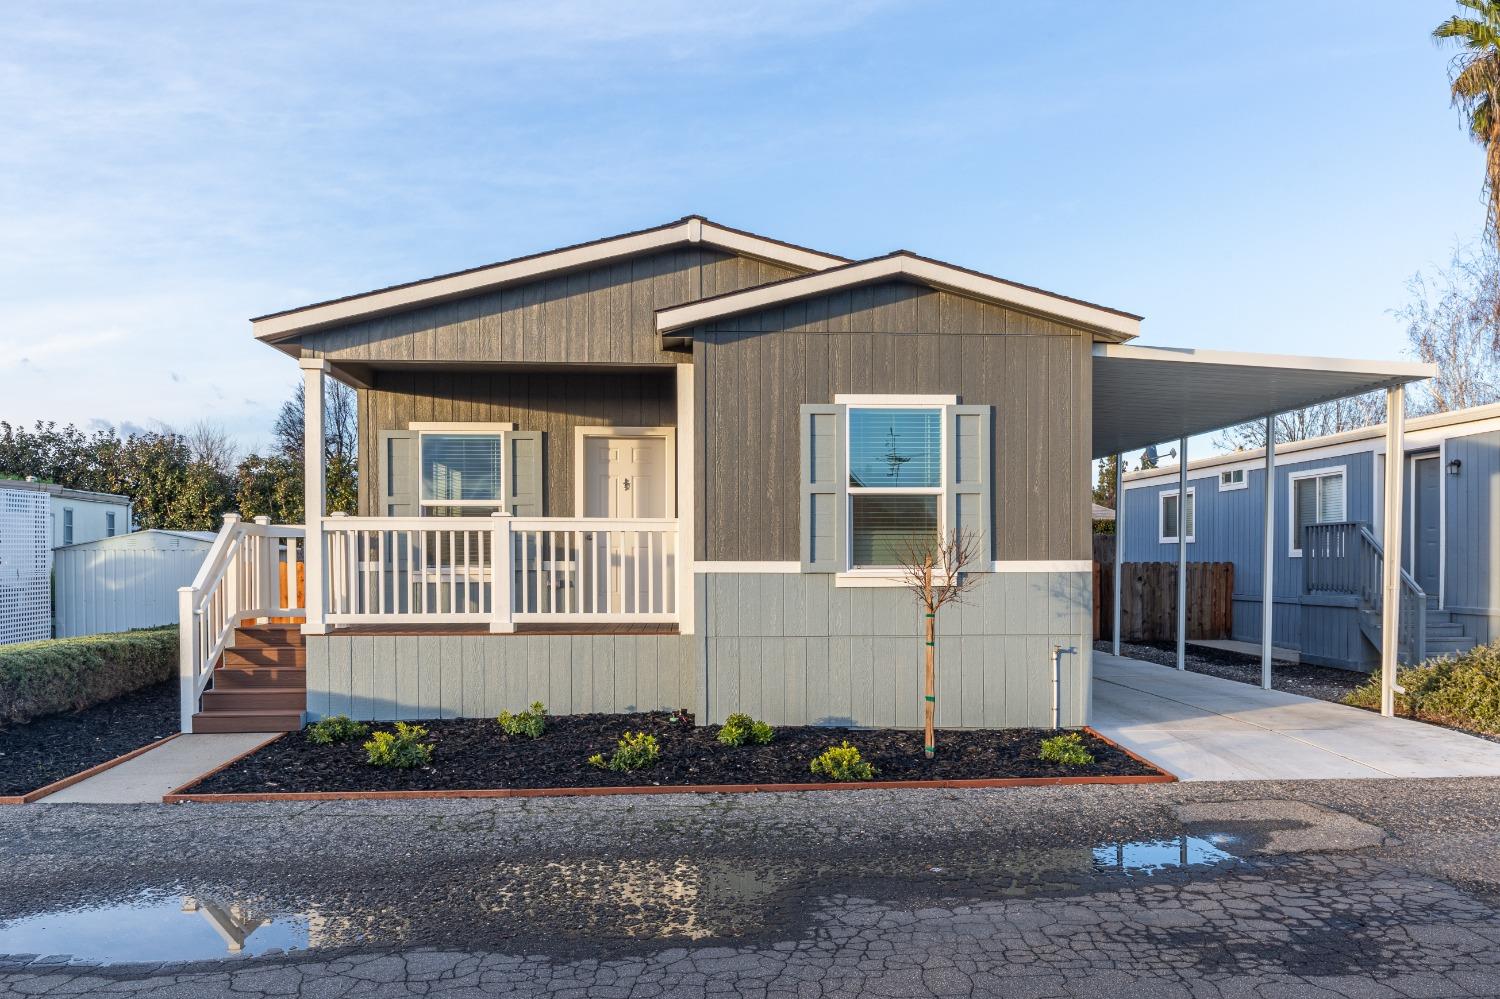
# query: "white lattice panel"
25,566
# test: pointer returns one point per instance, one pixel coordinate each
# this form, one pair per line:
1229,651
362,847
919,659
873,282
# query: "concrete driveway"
1204,728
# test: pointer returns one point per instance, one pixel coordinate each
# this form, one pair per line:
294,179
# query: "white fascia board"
897,266
1394,370
688,231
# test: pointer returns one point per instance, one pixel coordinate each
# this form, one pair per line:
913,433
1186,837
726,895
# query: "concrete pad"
1204,728
151,775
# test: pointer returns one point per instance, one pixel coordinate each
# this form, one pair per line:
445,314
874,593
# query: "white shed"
128,581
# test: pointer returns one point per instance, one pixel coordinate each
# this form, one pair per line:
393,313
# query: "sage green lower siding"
795,649
386,677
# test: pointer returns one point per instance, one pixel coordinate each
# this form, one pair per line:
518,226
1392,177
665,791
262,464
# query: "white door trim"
580,439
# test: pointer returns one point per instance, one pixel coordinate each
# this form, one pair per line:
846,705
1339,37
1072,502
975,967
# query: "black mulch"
48,749
475,753
1326,683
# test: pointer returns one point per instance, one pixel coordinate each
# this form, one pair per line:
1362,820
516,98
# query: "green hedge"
1463,690
69,674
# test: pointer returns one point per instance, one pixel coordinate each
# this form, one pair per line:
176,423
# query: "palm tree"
1475,80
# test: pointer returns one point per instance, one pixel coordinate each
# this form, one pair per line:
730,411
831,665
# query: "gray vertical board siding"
1471,503
753,374
993,654
552,402
1229,527
601,315
476,676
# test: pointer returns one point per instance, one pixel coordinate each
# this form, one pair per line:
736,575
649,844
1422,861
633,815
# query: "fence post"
502,553
188,644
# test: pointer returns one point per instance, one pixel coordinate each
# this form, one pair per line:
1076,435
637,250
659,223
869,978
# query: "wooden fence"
1148,610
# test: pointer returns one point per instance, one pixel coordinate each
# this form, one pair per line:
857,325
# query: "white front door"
626,477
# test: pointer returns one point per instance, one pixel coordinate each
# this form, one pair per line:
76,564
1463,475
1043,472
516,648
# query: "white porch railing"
501,570
251,573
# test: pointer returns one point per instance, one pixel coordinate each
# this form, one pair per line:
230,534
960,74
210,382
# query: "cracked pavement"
1338,888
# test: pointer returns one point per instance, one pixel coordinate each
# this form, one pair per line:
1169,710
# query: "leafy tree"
1474,79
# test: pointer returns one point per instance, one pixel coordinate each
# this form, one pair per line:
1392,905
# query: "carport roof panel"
1149,395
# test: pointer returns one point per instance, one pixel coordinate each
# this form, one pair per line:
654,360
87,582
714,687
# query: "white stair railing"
251,573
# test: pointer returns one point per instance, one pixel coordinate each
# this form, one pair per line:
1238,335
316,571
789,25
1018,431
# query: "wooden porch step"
247,721
252,677
261,636
219,701
264,655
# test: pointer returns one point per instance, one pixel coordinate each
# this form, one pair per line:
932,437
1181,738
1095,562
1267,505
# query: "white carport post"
1182,505
1390,608
314,479
1119,542
1268,558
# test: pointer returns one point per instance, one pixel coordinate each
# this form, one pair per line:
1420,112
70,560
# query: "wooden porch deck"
521,631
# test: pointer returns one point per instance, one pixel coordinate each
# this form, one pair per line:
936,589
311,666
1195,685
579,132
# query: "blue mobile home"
1328,519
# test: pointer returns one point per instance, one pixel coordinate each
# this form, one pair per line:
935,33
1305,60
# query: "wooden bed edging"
31,796
181,795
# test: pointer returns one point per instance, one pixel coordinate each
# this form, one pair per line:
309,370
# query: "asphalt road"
1378,888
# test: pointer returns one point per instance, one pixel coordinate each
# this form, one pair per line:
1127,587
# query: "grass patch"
58,675
1462,691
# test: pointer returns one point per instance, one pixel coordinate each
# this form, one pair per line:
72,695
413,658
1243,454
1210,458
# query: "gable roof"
1108,324
692,229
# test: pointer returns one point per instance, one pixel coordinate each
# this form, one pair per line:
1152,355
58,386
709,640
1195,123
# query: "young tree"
934,568
1315,421
1454,322
341,441
1474,79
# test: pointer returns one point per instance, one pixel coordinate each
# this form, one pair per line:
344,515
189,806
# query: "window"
1316,498
1233,479
109,523
1167,504
895,482
460,474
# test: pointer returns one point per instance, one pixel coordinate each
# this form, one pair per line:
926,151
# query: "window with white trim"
895,481
461,473
1167,515
109,523
1233,478
1316,498
67,525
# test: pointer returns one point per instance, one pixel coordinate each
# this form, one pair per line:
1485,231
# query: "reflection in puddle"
1152,856
153,928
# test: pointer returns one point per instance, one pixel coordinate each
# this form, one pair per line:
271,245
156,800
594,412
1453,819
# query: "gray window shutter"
523,473
969,479
825,489
400,475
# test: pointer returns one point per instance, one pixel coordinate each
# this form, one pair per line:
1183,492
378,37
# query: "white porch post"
1268,559
1390,608
1182,505
1119,545
686,496
314,479
502,555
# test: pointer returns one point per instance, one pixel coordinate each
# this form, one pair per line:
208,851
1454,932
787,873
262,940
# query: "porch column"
314,479
1182,505
1119,544
686,501
1390,605
1267,557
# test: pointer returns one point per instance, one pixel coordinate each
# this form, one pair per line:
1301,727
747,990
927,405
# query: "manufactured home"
673,468
1329,515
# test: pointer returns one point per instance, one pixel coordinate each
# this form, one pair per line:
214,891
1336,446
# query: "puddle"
1148,857
154,928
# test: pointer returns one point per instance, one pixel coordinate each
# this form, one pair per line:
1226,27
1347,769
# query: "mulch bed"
48,749
473,754
1326,683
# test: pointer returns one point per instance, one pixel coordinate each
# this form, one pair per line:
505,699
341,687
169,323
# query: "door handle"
627,485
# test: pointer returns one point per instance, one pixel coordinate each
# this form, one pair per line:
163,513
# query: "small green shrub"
1067,749
402,749
531,723
339,728
739,729
843,763
1462,690
69,674
635,751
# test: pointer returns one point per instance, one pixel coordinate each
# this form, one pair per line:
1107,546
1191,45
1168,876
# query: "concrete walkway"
151,775
1204,728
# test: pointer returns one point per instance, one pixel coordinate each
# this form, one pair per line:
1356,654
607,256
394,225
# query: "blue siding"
1471,503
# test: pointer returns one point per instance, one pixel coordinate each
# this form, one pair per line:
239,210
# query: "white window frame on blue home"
1161,516
928,402
1231,479
1294,547
481,507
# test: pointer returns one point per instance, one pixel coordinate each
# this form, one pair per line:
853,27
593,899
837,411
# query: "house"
673,468
1329,516
35,518
123,582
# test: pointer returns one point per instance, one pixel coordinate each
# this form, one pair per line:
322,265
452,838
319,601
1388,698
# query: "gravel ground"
48,749
1323,682
1333,888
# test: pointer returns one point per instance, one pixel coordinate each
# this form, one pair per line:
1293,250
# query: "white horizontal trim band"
1044,565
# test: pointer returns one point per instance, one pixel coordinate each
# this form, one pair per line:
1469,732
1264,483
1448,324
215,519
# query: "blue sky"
1259,177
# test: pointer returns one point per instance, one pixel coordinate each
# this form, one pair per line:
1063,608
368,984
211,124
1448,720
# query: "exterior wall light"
1455,466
